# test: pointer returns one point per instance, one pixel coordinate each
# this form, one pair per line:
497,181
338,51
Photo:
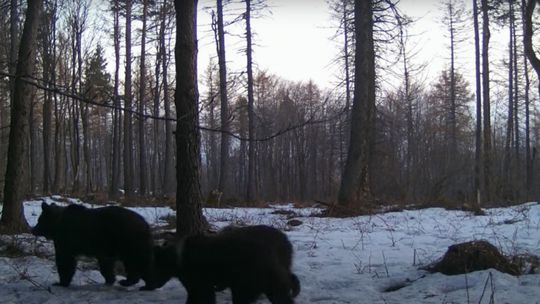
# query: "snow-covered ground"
352,260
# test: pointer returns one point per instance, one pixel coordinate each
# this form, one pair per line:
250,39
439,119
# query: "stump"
472,256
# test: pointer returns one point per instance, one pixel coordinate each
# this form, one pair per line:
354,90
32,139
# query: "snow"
352,260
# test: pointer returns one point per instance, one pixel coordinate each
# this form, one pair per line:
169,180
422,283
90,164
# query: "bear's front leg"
106,268
66,265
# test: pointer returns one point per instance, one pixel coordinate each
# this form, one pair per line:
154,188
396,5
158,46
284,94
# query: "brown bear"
250,261
108,233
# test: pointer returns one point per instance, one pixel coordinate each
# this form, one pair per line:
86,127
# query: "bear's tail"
295,287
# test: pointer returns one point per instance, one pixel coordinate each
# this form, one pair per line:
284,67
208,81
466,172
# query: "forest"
106,102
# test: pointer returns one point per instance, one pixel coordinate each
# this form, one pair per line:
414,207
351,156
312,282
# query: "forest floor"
366,259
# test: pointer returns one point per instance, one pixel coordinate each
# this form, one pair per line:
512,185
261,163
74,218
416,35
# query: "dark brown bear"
108,234
250,261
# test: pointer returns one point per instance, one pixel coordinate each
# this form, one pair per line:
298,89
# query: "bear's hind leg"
201,295
65,265
132,273
240,296
148,274
106,268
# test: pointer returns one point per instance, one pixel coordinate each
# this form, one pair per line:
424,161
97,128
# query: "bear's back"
107,230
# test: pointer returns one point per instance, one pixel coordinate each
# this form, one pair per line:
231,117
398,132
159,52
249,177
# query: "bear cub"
250,261
107,233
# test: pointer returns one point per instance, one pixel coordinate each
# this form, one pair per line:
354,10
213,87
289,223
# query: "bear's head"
48,221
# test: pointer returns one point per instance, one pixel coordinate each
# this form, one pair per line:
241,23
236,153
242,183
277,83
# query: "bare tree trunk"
48,69
168,176
128,135
13,35
529,6
32,157
59,135
355,184
478,177
156,183
224,160
486,99
13,219
509,182
115,162
528,159
345,125
142,146
189,217
453,125
250,194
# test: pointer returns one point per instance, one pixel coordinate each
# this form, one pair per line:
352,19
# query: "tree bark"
168,175
486,102
49,26
13,219
250,193
528,158
478,176
128,129
355,184
529,6
224,153
189,217
142,146
508,185
115,162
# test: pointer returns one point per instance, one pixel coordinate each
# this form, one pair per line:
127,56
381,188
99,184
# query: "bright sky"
295,43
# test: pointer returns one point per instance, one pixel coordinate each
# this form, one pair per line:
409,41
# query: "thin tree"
528,35
189,217
509,181
528,158
168,174
224,153
128,128
142,146
250,194
486,101
115,163
13,219
478,176
355,186
47,40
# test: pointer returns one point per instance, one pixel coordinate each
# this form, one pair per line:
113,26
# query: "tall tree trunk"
142,146
224,154
84,107
478,176
13,35
32,157
115,163
189,217
250,193
453,125
509,181
168,176
529,6
128,134
48,62
156,183
528,159
13,219
345,125
486,102
355,184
